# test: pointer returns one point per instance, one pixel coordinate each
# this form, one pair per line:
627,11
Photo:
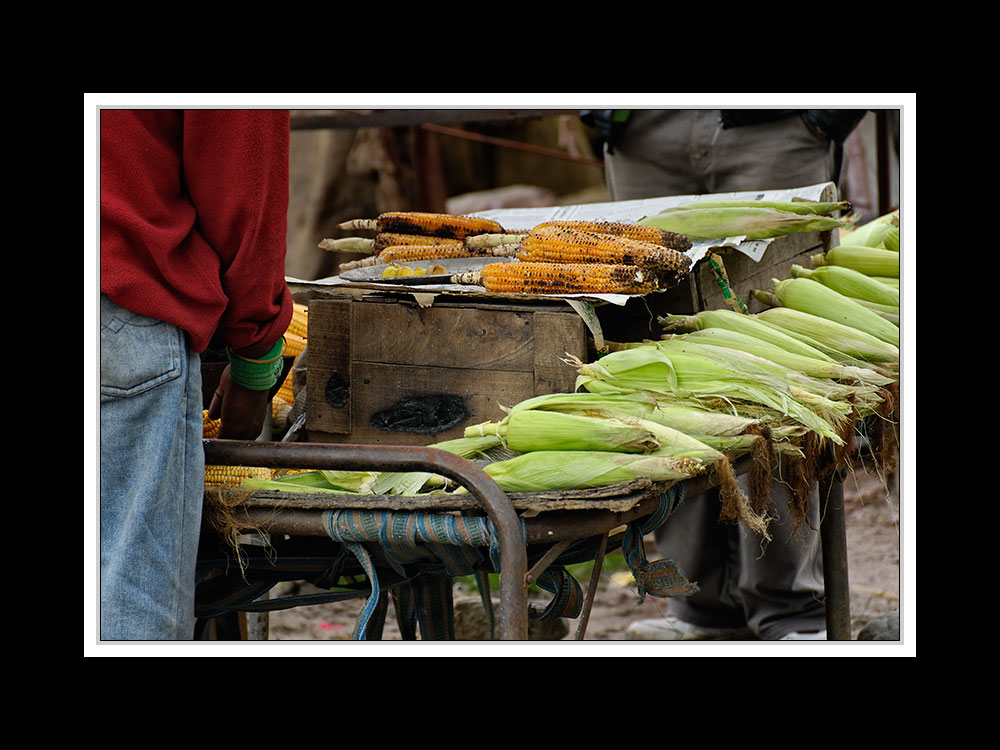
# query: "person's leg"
780,584
152,477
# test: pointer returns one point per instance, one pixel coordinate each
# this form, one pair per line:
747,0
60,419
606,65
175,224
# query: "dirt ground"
873,539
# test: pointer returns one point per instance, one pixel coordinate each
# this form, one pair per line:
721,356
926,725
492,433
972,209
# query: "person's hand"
242,410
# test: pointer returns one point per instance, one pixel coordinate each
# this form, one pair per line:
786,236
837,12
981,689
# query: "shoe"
672,629
815,635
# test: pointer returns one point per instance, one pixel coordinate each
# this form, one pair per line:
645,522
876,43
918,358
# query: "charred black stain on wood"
428,414
337,392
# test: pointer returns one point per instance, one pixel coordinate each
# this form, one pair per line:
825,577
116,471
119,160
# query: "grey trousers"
665,152
773,588
778,589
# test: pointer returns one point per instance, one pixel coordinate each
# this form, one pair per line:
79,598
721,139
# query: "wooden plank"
555,336
472,337
328,370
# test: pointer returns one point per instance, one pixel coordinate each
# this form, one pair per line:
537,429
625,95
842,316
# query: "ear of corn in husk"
808,296
539,471
817,368
891,239
750,222
872,233
849,282
871,261
683,371
804,207
747,325
831,336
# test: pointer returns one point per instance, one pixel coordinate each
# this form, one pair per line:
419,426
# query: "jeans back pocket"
137,352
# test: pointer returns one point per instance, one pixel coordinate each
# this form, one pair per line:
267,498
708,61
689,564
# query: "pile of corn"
295,344
555,257
787,386
281,404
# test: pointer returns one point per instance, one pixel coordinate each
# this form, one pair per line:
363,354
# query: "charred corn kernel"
556,245
232,476
407,253
656,236
209,427
391,239
561,278
426,223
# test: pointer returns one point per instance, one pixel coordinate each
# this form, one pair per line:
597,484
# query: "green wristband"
257,374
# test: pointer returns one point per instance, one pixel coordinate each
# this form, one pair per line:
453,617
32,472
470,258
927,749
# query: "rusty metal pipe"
833,539
513,555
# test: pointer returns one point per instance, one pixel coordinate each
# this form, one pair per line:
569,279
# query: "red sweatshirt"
194,212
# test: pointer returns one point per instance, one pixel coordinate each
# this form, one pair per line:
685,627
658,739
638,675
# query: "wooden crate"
388,371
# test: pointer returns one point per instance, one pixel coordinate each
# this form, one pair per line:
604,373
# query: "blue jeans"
152,477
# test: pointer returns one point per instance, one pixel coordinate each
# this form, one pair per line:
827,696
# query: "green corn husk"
541,471
814,298
750,222
889,312
829,399
795,207
872,233
689,419
889,282
369,482
817,368
834,338
686,373
527,430
891,239
871,261
748,325
849,282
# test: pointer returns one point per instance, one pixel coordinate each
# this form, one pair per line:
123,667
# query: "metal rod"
557,549
513,555
595,577
833,535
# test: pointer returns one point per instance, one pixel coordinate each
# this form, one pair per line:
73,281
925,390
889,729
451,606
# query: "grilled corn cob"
559,245
560,278
426,223
407,253
629,231
392,239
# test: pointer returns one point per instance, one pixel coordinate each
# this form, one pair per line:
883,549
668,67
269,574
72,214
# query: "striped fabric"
462,545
